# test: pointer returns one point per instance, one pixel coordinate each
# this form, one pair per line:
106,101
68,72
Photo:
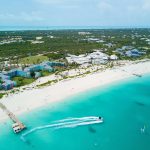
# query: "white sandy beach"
31,99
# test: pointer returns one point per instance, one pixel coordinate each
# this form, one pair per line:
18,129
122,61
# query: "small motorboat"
100,118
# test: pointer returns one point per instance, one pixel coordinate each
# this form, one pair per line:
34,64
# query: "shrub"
1,95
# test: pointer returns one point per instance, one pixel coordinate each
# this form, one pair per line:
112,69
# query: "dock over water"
14,119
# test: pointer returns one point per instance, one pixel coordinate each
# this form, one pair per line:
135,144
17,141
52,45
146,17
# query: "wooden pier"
14,119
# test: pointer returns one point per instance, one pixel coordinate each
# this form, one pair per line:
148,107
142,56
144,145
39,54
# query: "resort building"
37,42
96,57
113,57
5,77
98,61
134,53
8,84
18,72
84,33
127,47
129,51
109,45
39,37
81,59
37,74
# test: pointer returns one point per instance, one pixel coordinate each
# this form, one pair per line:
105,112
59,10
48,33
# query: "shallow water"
125,107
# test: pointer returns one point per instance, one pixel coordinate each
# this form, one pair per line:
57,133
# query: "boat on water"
100,118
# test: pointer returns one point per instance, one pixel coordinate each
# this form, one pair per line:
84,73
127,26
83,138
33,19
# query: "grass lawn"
45,73
23,81
33,59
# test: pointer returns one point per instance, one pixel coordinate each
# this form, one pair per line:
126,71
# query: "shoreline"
29,100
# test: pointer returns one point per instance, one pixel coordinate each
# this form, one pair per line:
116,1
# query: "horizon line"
34,27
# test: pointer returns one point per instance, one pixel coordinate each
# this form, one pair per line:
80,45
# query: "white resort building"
113,57
96,57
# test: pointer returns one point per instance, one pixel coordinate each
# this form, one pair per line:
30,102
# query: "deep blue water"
125,107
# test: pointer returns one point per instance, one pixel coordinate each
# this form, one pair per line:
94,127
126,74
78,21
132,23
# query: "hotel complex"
5,77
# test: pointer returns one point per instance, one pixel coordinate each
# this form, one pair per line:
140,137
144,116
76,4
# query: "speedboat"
100,118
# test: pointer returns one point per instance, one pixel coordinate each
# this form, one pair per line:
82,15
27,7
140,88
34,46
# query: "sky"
75,13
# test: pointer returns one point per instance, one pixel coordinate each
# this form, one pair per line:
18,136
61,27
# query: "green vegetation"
1,81
1,95
23,81
54,56
47,83
33,59
58,43
45,73
32,74
110,65
69,41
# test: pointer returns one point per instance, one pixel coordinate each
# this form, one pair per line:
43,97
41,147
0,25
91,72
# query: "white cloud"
23,16
69,4
146,5
132,8
59,1
104,6
49,1
143,6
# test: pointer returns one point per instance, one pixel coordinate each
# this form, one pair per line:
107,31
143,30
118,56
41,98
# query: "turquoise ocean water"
125,107
21,28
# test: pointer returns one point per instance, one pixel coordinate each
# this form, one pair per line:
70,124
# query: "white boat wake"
66,123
